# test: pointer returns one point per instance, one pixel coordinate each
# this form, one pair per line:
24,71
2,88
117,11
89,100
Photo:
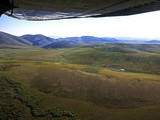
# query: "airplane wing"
65,9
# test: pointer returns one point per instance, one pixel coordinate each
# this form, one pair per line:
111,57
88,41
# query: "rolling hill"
8,39
38,40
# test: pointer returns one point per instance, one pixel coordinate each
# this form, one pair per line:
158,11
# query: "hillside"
61,44
38,40
9,39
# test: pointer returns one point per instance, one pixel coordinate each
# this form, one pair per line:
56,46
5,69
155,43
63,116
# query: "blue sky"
145,25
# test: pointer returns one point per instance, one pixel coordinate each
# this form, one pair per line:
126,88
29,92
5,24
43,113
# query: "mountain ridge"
61,44
9,39
38,39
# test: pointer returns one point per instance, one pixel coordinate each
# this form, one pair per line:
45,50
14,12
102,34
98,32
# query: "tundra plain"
88,82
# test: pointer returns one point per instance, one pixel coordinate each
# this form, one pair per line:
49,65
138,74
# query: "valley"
80,78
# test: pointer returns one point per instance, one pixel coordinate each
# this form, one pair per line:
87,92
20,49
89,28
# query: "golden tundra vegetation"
90,82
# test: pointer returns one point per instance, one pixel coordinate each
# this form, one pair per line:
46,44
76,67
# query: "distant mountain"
88,39
130,38
9,39
138,42
110,39
39,40
153,42
61,44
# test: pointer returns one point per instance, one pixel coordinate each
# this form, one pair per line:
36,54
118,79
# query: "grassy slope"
88,88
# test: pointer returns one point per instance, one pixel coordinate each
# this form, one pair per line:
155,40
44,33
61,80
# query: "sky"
146,25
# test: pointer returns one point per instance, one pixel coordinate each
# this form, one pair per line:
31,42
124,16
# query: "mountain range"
88,39
47,42
68,42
